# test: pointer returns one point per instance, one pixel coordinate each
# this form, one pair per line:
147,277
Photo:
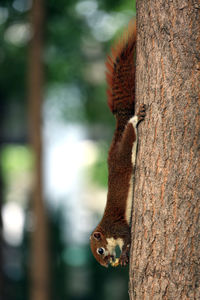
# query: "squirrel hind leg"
135,120
141,113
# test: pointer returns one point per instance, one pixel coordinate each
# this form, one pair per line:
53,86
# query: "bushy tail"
121,72
121,78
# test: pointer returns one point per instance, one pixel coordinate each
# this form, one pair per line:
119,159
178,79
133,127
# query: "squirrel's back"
121,78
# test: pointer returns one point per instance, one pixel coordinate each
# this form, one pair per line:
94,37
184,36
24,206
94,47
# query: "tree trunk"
165,251
39,248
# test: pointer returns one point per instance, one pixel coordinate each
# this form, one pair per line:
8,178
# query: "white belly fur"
133,121
129,201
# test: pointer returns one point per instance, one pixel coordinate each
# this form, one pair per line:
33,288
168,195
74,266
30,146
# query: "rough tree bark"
165,249
39,248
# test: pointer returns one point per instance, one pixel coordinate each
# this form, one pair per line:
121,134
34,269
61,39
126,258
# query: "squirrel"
114,228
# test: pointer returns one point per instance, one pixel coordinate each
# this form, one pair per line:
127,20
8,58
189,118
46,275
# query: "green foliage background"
71,50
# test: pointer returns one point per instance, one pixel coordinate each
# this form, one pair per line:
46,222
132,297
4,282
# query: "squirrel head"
100,248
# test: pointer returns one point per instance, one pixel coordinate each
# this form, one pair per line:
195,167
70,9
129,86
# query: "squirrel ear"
97,235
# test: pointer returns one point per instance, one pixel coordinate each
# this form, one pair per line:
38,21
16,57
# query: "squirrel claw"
142,112
124,259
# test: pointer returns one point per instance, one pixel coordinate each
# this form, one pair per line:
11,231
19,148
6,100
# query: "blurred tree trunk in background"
165,250
39,248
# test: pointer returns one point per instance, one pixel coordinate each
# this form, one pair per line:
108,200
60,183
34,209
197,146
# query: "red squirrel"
114,228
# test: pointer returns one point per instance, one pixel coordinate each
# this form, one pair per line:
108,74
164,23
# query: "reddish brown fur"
121,92
121,72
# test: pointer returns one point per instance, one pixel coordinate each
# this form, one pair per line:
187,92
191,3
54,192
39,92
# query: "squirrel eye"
100,251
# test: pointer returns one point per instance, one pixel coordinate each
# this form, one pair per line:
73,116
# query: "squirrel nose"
106,258
109,257
112,257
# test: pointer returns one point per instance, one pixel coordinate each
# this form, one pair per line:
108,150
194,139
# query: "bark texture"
39,248
165,249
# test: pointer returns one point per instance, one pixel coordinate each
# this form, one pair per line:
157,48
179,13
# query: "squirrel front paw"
124,259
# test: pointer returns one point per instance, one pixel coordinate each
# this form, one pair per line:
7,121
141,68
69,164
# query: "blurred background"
55,131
